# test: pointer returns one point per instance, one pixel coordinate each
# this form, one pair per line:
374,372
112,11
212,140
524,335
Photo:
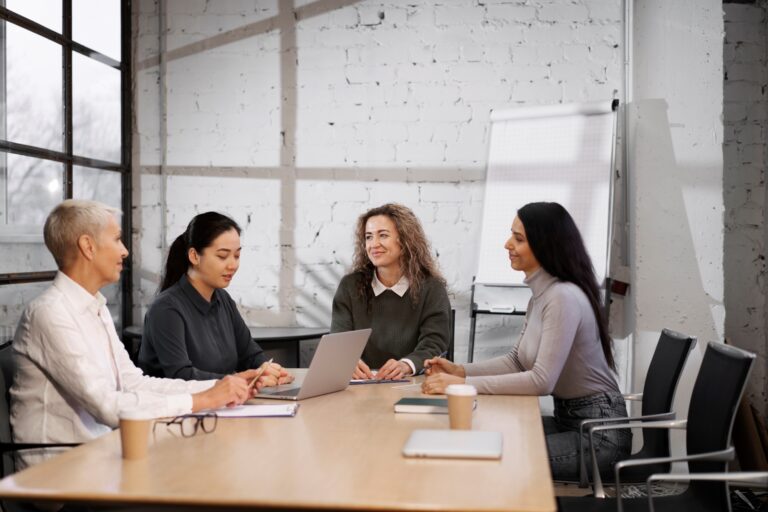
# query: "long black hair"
201,231
556,242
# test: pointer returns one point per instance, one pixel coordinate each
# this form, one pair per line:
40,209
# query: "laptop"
454,444
332,365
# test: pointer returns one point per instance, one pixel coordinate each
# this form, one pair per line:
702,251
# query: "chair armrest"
633,396
15,447
722,455
599,491
583,482
760,477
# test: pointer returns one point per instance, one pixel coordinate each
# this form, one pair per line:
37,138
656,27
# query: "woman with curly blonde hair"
396,289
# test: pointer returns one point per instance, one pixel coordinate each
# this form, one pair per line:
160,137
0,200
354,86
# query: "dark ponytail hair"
556,242
201,231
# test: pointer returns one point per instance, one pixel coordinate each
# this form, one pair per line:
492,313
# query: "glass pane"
44,12
13,299
29,189
33,89
98,185
96,109
32,188
96,24
24,253
114,304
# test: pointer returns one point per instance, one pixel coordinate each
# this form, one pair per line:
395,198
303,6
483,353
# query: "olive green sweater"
400,328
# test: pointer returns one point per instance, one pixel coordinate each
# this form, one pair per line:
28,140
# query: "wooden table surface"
341,451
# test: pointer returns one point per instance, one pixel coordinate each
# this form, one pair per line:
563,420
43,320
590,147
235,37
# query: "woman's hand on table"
393,370
441,365
269,374
435,384
362,371
229,391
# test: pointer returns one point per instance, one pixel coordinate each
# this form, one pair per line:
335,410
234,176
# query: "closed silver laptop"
454,444
330,370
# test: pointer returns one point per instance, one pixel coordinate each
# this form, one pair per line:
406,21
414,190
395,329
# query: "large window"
64,130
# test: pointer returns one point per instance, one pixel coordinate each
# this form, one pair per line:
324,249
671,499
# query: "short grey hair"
70,220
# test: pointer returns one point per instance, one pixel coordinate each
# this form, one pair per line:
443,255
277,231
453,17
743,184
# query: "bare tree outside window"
34,65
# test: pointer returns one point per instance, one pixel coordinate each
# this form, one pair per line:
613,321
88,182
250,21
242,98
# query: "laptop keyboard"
287,392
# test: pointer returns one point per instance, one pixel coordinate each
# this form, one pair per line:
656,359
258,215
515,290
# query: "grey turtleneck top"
559,350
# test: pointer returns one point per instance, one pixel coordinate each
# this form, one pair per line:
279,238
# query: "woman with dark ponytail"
564,350
193,330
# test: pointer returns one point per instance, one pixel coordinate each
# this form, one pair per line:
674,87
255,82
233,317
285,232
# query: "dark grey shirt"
401,328
187,337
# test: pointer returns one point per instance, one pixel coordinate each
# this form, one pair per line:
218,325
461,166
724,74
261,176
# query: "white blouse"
74,375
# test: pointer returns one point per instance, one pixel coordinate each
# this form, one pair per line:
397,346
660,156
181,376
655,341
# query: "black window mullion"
67,157
58,156
127,177
54,36
66,49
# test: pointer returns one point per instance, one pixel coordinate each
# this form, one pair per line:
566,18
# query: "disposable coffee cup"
461,402
134,433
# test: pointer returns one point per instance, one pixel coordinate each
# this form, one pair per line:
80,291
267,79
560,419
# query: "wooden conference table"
341,451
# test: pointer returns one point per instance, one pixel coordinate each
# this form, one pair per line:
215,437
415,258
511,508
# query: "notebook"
422,405
454,444
334,361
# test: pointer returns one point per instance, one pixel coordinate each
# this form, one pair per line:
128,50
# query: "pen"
442,354
261,371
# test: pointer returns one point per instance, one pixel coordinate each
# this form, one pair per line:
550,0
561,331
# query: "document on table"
374,380
258,411
377,381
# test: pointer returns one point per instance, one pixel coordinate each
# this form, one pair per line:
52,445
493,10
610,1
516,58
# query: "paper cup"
461,401
134,433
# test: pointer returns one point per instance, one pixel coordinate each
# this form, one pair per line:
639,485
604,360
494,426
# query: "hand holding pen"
441,365
258,375
274,375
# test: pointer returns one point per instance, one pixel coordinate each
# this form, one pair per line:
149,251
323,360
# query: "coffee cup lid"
461,390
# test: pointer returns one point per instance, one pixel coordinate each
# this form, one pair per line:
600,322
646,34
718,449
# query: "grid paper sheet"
562,155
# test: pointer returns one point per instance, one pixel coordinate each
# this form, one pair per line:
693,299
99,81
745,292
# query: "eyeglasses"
190,423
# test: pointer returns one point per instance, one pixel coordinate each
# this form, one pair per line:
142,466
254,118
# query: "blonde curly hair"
416,261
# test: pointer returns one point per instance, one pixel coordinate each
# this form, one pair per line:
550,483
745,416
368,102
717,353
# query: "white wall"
676,179
744,153
295,129
378,101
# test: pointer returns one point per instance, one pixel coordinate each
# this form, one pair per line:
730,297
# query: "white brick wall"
744,151
676,205
390,103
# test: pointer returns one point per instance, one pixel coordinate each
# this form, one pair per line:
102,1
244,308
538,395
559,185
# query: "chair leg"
471,348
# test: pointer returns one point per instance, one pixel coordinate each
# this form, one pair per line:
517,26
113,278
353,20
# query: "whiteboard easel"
558,153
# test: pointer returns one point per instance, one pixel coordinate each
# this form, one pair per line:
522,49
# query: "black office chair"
658,393
715,397
7,446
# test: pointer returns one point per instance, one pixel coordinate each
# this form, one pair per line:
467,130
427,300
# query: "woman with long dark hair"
193,330
565,349
396,289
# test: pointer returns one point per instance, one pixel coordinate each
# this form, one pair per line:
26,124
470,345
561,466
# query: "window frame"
67,156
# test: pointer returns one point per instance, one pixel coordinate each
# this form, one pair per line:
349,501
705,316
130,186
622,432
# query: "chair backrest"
661,382
451,335
7,369
714,399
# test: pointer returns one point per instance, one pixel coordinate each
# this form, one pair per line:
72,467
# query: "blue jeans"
562,435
